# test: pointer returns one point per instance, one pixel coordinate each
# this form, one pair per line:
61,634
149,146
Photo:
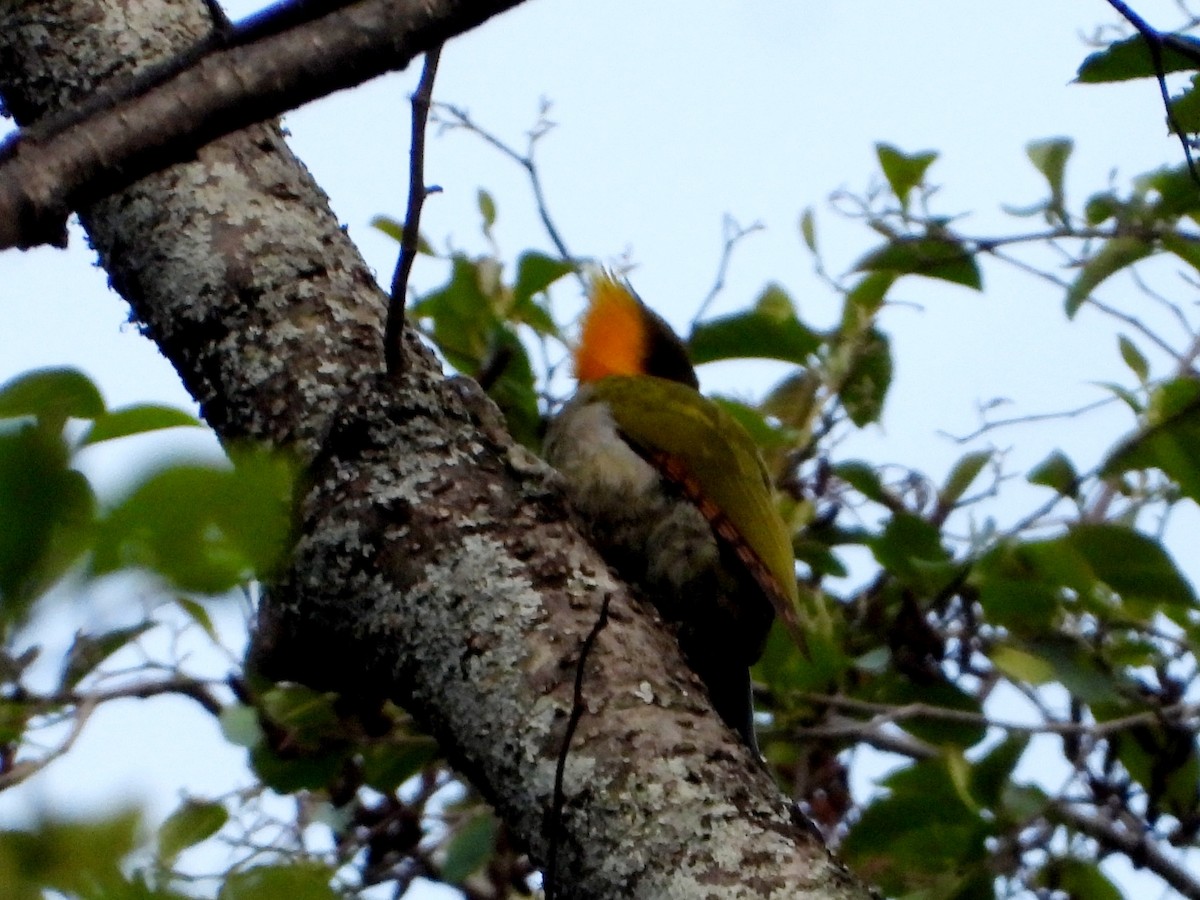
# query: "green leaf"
509,380
464,317
193,822
1050,158
308,715
1074,666
140,419
470,848
1101,207
1169,192
964,473
904,171
960,774
198,614
764,333
259,516
394,229
203,528
863,478
1135,566
75,858
315,770
995,770
1185,109
765,435
1169,440
792,671
1131,58
941,695
815,554
864,300
908,537
46,516
53,395
487,210
314,746
1077,878
13,719
911,549
1022,666
1023,605
808,229
89,650
1023,802
1163,760
1126,396
1133,358
295,881
388,765
866,386
775,302
932,257
240,726
1023,585
535,273
1183,246
791,401
921,829
1057,473
1117,253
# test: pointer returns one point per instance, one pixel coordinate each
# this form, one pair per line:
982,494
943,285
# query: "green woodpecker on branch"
675,494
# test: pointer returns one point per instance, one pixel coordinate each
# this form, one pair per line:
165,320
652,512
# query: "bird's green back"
717,452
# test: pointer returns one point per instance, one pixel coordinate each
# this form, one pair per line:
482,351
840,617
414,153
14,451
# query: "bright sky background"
668,119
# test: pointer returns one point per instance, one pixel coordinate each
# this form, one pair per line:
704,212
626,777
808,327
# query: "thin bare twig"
181,685
460,118
410,238
85,703
1132,321
30,767
884,714
1025,420
734,235
1132,842
578,707
1171,307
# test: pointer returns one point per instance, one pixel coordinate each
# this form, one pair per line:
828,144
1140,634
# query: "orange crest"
612,340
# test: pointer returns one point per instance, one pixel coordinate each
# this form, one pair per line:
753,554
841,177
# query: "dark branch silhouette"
280,60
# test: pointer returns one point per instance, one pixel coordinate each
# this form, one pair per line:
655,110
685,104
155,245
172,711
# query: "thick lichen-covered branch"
436,562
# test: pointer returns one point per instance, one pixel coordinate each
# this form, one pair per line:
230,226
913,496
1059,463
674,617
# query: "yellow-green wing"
665,416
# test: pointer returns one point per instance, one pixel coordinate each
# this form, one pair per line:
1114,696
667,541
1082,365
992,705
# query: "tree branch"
411,236
1111,836
436,562
28,768
42,179
457,117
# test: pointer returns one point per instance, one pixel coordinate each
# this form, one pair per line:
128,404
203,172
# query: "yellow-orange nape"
613,339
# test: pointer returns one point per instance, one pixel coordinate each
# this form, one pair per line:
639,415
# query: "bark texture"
234,79
436,561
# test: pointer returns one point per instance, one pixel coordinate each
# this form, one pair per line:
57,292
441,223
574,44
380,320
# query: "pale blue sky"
667,120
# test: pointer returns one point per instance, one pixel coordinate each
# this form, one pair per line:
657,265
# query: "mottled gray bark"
436,561
235,78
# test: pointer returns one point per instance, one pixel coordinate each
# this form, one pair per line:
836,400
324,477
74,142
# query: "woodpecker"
675,494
